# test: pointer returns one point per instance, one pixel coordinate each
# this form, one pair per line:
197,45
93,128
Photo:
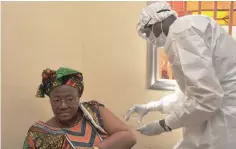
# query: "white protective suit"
203,58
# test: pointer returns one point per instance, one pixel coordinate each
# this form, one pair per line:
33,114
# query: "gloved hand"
143,109
151,129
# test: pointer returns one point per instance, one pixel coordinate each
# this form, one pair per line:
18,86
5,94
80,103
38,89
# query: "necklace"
63,126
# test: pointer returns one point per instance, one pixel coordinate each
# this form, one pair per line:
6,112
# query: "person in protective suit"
203,59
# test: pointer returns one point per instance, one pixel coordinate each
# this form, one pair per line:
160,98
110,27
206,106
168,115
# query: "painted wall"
97,38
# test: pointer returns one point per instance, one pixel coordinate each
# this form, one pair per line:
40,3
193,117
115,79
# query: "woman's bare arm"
121,137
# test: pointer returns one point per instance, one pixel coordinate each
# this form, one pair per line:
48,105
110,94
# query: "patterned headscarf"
63,76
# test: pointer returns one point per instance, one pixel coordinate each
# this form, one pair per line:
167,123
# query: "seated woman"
76,125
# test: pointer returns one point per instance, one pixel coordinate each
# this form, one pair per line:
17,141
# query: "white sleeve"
195,74
172,101
168,103
165,105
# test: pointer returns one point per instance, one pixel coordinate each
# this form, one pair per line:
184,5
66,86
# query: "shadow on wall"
96,38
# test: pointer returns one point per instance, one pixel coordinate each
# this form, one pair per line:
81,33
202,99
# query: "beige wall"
97,38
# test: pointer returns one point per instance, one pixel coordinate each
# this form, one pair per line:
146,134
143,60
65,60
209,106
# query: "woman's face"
65,102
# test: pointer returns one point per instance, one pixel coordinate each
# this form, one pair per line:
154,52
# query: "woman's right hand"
141,110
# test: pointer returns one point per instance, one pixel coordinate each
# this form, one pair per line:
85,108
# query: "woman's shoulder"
40,125
92,103
92,113
91,108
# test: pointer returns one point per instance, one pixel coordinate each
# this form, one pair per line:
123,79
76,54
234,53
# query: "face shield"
152,14
158,39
